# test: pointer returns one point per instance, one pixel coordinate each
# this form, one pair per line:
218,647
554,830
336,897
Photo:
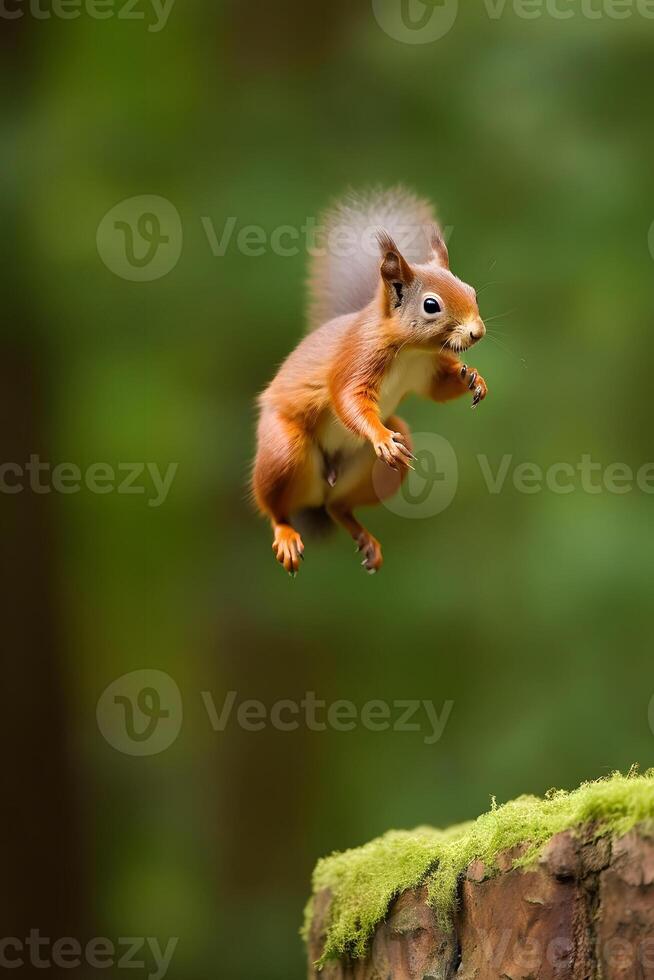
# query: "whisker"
505,349
497,316
495,282
489,336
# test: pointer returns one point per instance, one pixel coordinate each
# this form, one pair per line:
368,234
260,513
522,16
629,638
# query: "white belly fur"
411,372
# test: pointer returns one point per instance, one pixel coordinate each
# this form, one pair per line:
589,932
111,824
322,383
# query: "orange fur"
454,379
326,418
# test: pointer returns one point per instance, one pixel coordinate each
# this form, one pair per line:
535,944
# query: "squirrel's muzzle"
474,330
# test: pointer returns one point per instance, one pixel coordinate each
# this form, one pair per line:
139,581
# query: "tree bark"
584,911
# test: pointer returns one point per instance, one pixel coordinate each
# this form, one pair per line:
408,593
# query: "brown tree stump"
584,911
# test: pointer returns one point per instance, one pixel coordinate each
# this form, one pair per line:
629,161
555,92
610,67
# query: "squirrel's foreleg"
357,406
453,379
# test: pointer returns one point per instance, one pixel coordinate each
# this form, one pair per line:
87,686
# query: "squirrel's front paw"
393,450
475,383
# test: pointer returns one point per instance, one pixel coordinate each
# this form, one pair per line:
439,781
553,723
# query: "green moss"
364,881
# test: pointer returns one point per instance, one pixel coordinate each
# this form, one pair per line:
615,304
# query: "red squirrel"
382,326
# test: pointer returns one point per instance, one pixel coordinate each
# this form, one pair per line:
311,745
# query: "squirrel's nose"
477,330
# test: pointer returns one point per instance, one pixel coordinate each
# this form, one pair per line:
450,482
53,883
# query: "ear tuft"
386,242
394,267
438,247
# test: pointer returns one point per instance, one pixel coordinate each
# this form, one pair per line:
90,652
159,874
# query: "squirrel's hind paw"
371,550
289,549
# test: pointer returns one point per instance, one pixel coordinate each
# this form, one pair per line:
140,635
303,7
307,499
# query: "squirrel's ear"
439,248
395,270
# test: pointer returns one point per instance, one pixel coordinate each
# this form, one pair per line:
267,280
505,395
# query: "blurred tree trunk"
42,879
297,34
42,885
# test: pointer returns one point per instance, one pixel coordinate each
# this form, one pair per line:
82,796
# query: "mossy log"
580,908
585,910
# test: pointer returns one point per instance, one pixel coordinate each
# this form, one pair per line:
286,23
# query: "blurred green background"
531,612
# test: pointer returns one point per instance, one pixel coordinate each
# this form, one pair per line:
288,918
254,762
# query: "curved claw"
372,554
288,549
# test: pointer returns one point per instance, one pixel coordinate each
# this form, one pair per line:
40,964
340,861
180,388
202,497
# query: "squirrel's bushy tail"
345,274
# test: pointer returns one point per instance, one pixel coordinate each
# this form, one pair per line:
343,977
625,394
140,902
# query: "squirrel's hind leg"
368,545
375,482
283,482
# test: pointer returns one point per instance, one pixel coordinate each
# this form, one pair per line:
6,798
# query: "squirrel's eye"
431,306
